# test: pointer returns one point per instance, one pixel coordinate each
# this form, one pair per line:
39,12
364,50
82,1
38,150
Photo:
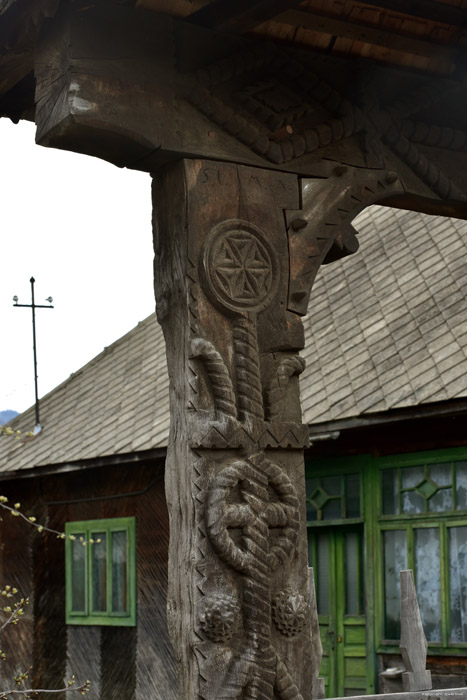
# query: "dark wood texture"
16,563
239,15
238,582
427,9
121,663
362,32
161,89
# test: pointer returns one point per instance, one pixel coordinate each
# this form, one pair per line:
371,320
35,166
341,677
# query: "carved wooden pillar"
235,260
238,599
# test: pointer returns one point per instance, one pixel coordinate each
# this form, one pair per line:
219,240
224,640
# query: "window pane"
461,485
390,492
441,501
311,512
78,574
458,583
332,510
428,578
119,572
332,485
352,571
412,502
352,496
395,560
323,574
441,474
99,572
412,476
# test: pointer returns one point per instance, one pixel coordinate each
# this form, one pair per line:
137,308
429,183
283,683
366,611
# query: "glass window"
458,583
428,580
78,573
428,488
101,572
395,561
98,551
353,574
323,573
333,497
119,572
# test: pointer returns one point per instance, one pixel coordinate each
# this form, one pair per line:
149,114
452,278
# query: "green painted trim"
427,457
107,526
375,524
369,483
330,523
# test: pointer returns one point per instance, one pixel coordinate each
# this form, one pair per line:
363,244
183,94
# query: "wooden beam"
426,9
362,32
238,16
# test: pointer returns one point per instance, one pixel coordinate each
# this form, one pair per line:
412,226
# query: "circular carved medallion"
219,617
289,612
240,266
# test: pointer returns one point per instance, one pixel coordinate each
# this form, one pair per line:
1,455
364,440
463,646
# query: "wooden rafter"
239,16
364,33
425,9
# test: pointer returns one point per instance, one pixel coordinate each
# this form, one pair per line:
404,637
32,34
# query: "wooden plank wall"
122,663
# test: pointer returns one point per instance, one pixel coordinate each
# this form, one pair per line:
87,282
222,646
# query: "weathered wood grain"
238,580
413,644
141,106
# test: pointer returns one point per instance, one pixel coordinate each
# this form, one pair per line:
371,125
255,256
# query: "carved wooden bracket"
321,231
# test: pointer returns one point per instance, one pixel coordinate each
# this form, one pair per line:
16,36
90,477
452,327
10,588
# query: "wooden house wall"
136,663
122,663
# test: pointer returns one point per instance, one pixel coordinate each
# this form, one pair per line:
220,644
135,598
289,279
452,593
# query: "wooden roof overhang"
303,87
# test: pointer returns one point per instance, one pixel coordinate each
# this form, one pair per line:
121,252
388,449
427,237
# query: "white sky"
82,228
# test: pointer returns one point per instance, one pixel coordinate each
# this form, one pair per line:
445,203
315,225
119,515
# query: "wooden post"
318,689
413,644
238,607
237,250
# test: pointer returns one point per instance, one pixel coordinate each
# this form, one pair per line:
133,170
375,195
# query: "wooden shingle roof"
387,329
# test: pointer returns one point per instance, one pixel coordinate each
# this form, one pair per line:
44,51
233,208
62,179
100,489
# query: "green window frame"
100,571
430,505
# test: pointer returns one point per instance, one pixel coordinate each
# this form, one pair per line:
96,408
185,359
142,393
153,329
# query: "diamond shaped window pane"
319,498
427,488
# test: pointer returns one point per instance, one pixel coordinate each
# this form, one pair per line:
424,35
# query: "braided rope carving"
219,378
258,671
249,393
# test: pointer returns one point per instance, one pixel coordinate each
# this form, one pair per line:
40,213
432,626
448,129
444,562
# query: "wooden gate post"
238,601
235,260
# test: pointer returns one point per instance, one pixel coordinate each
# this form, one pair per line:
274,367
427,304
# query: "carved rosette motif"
290,612
240,267
219,617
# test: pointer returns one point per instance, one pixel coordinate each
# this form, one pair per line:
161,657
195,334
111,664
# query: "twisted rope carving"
275,396
258,671
249,394
434,135
219,378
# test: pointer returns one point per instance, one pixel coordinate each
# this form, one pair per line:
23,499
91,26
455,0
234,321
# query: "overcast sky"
82,228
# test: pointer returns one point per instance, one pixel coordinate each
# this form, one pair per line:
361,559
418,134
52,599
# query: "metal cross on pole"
33,306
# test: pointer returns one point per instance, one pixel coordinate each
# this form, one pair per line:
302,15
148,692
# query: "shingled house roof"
387,329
